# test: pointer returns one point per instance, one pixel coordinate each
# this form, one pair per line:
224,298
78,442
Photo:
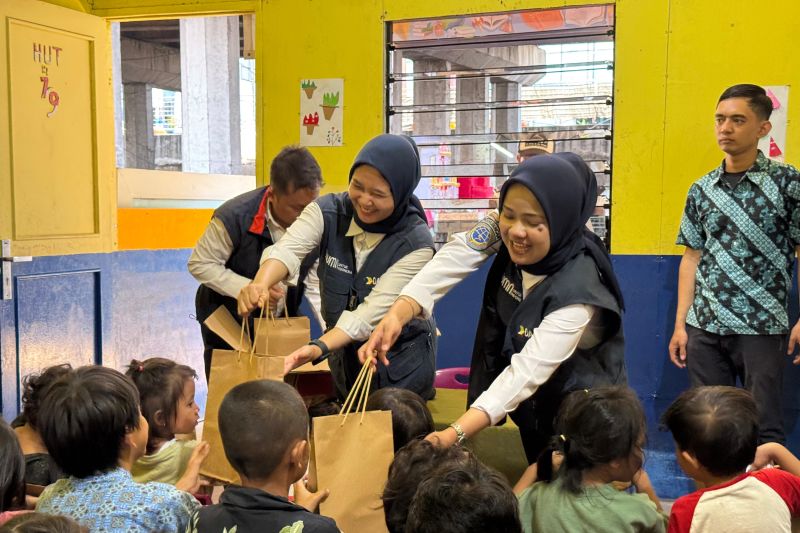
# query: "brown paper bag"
281,336
352,454
353,462
228,369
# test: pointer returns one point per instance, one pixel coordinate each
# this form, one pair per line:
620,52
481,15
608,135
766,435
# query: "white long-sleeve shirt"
552,342
214,248
305,235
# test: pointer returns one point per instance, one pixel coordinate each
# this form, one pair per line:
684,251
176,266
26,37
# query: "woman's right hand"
385,334
382,339
250,297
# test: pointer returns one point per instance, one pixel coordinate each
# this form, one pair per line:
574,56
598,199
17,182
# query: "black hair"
757,98
717,425
41,523
411,418
12,470
33,387
258,422
327,407
412,463
594,427
85,417
464,496
294,168
160,383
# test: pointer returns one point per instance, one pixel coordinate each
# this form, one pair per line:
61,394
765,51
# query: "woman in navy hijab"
551,321
371,241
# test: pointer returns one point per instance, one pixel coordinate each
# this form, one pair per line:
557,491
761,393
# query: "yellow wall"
673,58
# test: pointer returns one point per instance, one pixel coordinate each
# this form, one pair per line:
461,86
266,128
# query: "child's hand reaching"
643,486
772,452
190,481
306,498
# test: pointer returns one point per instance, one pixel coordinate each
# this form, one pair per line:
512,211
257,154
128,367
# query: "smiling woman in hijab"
551,320
371,241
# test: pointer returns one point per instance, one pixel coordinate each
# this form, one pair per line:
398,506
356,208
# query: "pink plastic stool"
452,378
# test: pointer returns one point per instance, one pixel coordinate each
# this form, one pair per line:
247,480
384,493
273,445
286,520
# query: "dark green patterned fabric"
748,234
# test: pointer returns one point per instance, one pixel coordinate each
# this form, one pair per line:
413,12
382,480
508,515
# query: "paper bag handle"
361,390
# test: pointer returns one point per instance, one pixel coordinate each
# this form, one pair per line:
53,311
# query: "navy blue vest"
244,218
507,322
344,288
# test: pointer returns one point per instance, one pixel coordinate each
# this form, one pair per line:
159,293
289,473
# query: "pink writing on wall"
46,55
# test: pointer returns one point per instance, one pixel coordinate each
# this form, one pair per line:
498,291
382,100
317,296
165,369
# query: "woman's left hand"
442,439
300,357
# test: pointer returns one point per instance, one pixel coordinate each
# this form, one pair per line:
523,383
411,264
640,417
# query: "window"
470,89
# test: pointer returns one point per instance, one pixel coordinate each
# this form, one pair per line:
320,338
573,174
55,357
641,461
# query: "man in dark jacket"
228,254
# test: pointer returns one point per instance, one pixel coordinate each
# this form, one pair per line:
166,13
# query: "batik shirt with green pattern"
747,234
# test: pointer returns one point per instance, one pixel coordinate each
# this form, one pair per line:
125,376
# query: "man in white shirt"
227,256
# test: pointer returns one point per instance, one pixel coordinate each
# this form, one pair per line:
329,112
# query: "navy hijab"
396,157
566,188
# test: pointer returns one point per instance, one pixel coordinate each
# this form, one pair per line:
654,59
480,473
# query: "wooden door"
57,187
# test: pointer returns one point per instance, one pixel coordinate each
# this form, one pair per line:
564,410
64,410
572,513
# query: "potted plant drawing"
330,101
308,87
310,122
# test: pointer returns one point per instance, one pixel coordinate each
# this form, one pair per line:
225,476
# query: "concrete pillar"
471,90
139,138
505,121
116,80
211,140
431,92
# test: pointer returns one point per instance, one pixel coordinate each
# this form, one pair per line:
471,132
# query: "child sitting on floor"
601,433
716,433
40,468
166,394
412,463
463,495
12,475
411,418
91,423
264,430
42,523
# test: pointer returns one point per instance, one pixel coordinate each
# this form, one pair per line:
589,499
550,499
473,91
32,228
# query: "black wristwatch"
325,351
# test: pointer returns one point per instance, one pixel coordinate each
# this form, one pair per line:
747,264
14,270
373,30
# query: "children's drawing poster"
774,143
321,111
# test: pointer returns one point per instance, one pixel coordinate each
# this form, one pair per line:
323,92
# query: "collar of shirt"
761,164
529,281
364,239
275,229
257,499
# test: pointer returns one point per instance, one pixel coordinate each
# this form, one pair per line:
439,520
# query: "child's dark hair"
294,168
412,463
160,383
757,98
12,470
41,523
258,422
33,387
411,417
85,416
594,427
464,496
717,425
326,407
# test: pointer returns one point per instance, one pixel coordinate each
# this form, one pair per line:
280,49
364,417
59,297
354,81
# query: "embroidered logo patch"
336,264
484,234
525,332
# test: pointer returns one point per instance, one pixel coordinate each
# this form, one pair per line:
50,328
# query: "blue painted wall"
107,308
